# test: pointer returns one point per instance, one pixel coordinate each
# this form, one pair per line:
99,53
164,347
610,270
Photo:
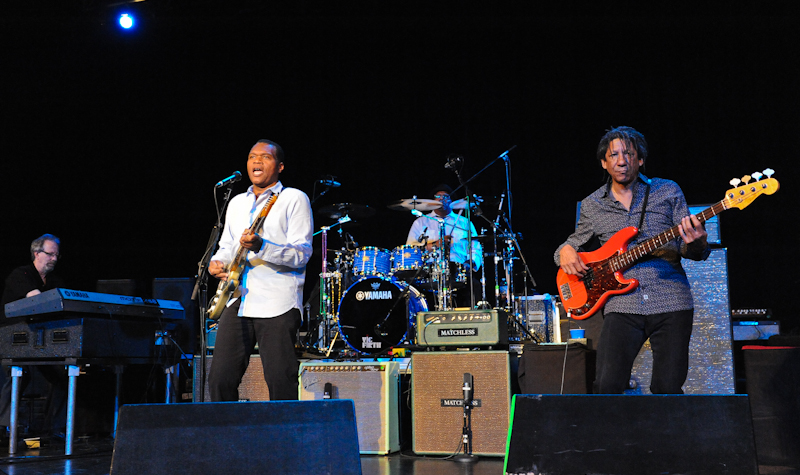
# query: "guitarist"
661,307
265,308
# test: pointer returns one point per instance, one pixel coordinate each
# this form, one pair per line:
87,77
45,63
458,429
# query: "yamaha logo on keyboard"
75,294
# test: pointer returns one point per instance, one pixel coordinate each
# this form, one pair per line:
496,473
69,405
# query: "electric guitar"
583,296
227,287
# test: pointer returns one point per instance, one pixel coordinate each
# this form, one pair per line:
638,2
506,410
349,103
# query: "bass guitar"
583,296
227,287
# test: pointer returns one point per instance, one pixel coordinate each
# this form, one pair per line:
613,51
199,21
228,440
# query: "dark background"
113,140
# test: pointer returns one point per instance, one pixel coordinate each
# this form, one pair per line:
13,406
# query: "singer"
425,232
266,307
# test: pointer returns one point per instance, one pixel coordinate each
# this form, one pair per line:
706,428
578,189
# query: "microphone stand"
200,290
469,237
466,431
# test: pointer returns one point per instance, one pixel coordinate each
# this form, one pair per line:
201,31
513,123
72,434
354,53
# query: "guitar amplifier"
374,388
459,328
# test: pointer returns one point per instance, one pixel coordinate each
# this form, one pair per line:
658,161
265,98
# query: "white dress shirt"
455,226
272,281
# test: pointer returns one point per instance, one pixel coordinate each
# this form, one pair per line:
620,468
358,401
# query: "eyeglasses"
441,197
50,254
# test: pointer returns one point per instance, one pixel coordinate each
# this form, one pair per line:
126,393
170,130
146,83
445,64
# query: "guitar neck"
647,247
258,223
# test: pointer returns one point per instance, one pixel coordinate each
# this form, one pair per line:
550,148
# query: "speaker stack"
252,388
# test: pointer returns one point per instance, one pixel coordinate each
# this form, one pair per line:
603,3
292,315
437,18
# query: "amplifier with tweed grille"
437,397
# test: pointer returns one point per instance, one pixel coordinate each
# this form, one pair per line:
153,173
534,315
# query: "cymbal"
418,204
353,210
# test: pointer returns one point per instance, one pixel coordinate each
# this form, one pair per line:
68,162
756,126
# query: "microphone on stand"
331,183
468,389
499,210
504,155
453,161
237,175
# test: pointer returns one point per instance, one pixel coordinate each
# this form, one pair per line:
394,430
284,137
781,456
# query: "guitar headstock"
743,192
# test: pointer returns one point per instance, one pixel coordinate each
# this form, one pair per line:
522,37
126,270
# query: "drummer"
424,232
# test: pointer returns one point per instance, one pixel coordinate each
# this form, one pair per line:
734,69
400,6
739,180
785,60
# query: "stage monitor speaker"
252,388
631,435
286,437
180,290
711,348
437,379
373,387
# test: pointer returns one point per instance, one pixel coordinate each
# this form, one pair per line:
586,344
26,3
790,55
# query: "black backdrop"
113,141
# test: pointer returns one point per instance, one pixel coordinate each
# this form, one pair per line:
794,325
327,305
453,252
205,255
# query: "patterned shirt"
663,286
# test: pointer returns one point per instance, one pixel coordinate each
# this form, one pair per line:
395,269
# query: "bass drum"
374,316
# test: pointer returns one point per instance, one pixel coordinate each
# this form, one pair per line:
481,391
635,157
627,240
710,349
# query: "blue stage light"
126,21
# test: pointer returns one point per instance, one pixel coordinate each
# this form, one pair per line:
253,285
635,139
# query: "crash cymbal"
353,210
415,203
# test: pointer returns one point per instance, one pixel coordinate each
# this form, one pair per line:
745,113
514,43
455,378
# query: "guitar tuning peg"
757,175
735,182
746,179
769,172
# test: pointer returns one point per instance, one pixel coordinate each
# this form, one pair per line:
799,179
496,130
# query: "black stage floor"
92,456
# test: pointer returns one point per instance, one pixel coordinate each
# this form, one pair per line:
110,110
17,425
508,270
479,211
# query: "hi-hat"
415,203
353,210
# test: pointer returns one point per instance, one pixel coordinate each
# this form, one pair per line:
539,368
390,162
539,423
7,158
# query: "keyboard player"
26,281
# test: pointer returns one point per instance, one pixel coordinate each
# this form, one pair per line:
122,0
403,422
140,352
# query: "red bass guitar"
583,296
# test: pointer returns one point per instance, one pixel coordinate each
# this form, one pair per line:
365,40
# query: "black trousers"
623,336
236,339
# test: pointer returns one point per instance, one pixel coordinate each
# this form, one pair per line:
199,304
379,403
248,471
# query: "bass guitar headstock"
743,192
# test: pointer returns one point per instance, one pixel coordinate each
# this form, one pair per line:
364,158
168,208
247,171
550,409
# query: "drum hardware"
418,204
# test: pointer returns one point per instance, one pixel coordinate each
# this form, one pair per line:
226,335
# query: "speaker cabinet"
631,435
286,437
252,388
437,399
373,388
711,348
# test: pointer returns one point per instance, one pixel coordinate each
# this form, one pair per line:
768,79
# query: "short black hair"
441,187
628,135
278,148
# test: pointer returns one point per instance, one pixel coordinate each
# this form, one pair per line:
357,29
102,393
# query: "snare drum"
371,260
406,261
374,317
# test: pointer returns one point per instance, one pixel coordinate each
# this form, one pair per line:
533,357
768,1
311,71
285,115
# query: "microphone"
468,389
453,161
504,155
416,212
237,175
328,391
331,183
423,237
500,210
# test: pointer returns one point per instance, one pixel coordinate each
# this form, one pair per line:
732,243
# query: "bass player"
265,307
660,307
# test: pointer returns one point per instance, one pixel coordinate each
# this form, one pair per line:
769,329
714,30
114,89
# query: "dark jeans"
623,336
236,339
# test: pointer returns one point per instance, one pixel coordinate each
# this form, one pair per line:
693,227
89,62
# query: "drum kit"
370,296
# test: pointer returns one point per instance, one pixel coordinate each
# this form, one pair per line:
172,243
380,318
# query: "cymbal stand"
441,271
327,289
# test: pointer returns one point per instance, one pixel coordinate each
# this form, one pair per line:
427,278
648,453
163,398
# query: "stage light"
126,21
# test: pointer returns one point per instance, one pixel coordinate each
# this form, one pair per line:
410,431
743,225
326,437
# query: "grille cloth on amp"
437,379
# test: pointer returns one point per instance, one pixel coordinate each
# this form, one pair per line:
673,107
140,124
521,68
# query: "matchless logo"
447,332
366,342
459,403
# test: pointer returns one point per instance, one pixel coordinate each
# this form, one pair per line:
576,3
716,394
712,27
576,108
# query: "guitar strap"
644,206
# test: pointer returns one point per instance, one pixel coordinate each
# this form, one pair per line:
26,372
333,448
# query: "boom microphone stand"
201,279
